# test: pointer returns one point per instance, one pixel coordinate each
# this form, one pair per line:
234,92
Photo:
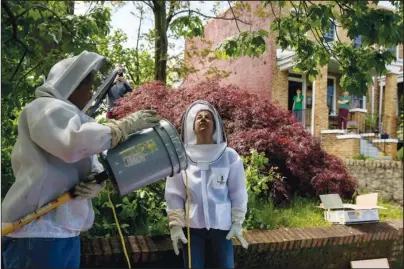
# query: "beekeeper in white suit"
55,150
217,189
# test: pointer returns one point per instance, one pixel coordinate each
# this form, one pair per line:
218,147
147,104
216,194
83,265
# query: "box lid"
331,201
334,201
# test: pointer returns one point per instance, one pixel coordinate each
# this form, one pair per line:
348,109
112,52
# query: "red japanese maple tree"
253,122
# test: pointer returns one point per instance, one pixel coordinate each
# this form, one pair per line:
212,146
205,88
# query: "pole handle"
6,229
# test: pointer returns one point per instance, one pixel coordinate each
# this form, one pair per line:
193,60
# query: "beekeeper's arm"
60,131
239,198
175,195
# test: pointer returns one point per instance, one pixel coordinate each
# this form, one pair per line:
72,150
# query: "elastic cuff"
176,218
237,215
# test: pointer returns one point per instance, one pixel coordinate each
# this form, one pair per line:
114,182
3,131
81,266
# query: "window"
293,75
393,50
357,41
330,35
330,96
358,102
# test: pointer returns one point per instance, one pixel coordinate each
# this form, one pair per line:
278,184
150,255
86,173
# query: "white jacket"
55,150
216,178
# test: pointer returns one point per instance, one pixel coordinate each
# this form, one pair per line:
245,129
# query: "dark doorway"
293,86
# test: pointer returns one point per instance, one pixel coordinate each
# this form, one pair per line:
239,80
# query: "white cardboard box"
376,263
365,210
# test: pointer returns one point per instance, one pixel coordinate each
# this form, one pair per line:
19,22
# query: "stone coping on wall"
385,140
368,134
375,163
363,110
349,136
336,131
96,251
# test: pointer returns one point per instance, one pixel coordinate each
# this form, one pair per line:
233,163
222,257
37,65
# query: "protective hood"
66,75
203,153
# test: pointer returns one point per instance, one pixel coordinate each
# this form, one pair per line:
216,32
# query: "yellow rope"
188,225
188,221
119,228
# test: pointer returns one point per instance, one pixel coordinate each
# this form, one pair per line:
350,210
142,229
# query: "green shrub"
370,122
400,154
140,213
359,156
260,179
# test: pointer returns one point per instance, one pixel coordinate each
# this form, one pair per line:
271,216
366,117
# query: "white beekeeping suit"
216,180
56,148
55,151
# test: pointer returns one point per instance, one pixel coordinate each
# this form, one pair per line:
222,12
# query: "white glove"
88,189
177,234
135,122
176,220
237,217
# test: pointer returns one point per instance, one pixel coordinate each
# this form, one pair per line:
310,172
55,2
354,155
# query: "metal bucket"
145,158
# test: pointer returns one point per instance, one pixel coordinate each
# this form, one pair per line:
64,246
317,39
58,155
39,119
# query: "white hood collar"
203,154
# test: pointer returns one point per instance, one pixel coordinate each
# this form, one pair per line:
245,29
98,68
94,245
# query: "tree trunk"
161,42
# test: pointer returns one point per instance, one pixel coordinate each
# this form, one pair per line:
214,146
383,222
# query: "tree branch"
329,50
278,20
19,64
170,13
149,4
137,81
13,19
210,17
27,73
43,8
234,15
336,32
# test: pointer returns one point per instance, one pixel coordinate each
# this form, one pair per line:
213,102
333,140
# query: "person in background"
118,89
56,151
343,110
297,108
217,188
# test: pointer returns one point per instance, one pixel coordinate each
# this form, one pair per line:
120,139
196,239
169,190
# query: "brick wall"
389,148
343,148
383,177
320,99
315,247
251,73
389,105
280,86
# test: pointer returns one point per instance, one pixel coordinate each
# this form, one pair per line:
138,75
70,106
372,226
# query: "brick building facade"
272,75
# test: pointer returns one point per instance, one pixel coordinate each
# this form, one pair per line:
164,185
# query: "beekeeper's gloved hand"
135,122
176,221
237,217
89,188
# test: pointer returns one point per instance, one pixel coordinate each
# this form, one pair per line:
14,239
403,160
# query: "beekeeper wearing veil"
216,187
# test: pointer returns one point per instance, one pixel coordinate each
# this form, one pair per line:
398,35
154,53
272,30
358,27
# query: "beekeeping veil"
66,75
206,153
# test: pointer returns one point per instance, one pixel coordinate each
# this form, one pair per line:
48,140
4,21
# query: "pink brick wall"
252,74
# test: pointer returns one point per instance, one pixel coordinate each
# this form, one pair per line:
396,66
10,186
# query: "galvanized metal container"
145,158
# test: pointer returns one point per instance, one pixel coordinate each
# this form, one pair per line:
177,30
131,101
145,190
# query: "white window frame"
354,43
302,80
334,97
304,83
359,109
335,31
398,53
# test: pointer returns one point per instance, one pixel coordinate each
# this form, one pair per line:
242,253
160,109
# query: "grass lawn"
303,212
